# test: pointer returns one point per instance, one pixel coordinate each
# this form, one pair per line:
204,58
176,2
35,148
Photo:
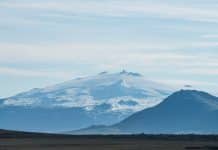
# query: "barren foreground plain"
11,140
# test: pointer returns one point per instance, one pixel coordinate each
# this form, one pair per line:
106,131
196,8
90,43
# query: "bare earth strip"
26,141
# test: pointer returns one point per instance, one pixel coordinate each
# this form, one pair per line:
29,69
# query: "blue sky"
44,42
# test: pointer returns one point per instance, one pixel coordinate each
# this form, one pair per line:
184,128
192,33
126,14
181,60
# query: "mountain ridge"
185,111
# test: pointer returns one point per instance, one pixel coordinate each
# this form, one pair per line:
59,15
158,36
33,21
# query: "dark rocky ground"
10,140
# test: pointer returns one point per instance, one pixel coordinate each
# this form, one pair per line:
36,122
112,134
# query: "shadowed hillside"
183,112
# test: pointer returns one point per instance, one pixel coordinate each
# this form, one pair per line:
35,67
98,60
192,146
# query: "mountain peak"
192,99
102,73
124,72
187,92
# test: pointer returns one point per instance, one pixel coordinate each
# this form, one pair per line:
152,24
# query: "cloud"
205,44
196,84
34,73
201,71
79,51
210,36
121,8
174,38
181,83
111,54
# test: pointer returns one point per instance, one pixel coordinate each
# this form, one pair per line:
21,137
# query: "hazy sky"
43,42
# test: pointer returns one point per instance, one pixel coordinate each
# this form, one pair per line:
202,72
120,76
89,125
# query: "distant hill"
101,99
185,111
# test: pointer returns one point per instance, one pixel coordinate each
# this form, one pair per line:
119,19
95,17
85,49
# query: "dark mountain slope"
185,111
182,112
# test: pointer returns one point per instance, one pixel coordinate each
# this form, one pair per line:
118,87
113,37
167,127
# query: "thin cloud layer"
164,40
121,8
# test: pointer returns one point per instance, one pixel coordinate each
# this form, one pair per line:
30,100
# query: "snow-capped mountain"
104,99
124,91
